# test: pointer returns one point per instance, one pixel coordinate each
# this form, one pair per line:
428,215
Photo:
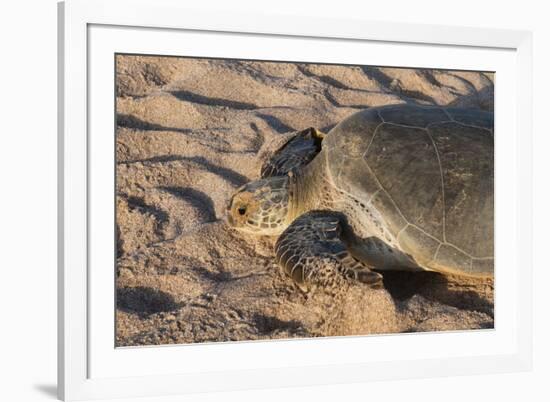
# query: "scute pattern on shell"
428,171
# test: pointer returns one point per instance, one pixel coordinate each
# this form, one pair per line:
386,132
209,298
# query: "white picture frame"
89,367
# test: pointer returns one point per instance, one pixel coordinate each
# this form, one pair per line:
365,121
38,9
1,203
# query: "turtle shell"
424,177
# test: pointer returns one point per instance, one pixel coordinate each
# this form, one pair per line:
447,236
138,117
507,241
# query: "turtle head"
260,207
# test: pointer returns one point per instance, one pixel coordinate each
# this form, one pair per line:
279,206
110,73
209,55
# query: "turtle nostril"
242,210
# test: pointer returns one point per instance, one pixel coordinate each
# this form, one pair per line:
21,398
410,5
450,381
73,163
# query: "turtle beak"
227,218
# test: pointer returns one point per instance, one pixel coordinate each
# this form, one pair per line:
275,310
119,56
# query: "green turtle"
398,187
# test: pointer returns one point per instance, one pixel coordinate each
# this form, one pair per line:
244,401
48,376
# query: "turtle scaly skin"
396,187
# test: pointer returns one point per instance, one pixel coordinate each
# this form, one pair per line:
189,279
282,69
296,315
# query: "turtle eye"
241,210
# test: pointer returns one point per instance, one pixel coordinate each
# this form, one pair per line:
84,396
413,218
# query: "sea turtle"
398,187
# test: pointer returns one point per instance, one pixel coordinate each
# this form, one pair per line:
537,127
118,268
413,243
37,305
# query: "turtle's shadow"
433,286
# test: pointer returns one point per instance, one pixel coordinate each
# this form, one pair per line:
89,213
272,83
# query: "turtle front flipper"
295,153
313,251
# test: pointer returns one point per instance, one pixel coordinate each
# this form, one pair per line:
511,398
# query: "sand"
189,133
